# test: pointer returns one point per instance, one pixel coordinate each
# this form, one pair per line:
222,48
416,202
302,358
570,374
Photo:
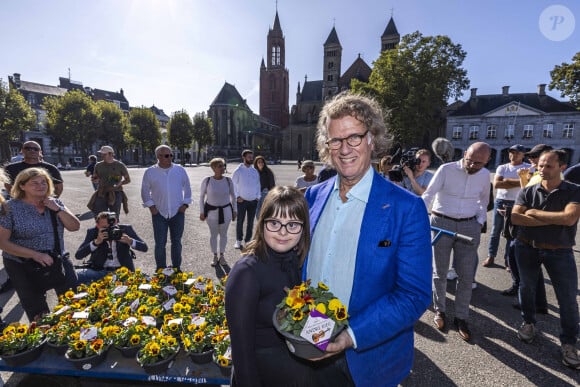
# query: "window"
275,55
330,65
528,131
568,131
510,131
330,78
491,131
31,99
474,132
457,132
548,130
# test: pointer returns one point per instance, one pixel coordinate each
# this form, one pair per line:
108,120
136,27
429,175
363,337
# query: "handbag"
41,277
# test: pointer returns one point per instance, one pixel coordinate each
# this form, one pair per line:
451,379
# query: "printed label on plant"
62,310
82,315
120,289
169,304
168,271
228,353
197,319
200,286
189,281
89,333
145,286
318,329
134,305
131,320
149,320
80,295
170,290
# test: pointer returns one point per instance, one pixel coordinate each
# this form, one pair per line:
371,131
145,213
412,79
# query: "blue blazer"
392,280
99,256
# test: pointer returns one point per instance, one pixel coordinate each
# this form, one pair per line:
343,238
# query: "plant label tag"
81,315
189,281
80,295
228,353
134,305
149,320
169,304
62,310
145,287
200,286
120,290
197,320
168,271
174,321
170,290
89,333
318,329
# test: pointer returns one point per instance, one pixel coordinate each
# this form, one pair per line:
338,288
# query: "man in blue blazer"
108,254
371,246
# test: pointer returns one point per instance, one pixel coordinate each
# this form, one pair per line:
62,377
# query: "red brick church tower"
274,79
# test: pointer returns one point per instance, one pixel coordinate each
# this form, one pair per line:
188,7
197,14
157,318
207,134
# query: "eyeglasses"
220,166
274,225
31,148
353,140
474,163
167,155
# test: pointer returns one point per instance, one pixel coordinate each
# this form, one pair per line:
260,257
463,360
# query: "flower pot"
59,349
158,367
299,346
21,358
87,363
128,351
201,357
225,371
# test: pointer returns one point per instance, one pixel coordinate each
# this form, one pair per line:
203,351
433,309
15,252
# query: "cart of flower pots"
169,327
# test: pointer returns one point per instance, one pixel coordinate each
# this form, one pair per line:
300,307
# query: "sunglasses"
167,155
31,148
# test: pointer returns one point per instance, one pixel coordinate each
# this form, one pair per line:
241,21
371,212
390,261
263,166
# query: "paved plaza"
494,357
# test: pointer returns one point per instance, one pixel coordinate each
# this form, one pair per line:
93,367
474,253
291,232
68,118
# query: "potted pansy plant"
158,353
309,318
21,343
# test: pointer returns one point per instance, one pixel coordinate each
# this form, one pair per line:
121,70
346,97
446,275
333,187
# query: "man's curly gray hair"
364,109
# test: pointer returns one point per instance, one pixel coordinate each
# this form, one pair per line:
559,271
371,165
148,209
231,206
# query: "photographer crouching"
110,247
413,165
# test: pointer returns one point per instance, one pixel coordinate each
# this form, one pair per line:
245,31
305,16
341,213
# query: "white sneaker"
570,356
527,333
238,245
452,274
474,285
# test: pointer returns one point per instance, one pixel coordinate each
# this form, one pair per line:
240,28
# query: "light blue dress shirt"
334,245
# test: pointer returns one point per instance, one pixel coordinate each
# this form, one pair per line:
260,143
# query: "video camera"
114,232
408,159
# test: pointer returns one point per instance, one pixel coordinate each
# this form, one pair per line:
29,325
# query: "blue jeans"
175,226
541,301
246,207
102,205
561,268
496,228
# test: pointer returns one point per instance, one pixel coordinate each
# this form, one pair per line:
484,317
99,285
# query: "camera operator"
109,245
417,176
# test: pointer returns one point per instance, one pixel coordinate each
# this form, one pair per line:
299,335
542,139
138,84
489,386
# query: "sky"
177,54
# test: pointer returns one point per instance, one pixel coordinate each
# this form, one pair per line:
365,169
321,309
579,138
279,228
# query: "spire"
277,23
332,38
263,64
391,28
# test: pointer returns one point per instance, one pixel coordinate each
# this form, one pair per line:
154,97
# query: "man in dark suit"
110,247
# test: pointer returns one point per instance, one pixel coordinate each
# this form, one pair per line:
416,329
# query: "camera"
408,159
114,232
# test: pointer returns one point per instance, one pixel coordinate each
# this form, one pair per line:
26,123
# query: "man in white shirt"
507,185
460,193
247,188
166,191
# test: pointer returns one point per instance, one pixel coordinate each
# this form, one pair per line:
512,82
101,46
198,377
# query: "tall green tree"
114,125
180,132
73,119
414,82
16,116
202,131
566,79
144,130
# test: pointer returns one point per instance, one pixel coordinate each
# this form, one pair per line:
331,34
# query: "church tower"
331,70
390,37
274,93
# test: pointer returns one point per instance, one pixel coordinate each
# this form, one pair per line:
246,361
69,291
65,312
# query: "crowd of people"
346,226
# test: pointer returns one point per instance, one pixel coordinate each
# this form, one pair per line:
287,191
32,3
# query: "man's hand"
234,216
239,199
102,236
182,208
154,210
126,239
341,343
201,217
408,172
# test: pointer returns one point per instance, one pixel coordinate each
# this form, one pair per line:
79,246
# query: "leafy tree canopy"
16,115
144,130
566,79
413,82
202,131
114,125
180,131
73,119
